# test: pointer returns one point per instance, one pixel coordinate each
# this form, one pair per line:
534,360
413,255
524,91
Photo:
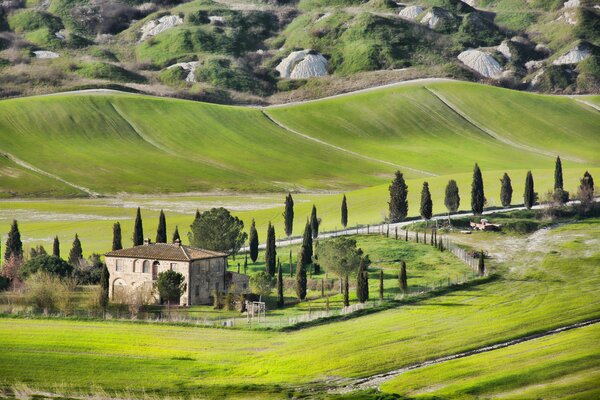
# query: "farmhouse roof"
165,251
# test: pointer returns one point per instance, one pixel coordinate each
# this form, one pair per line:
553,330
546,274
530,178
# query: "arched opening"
146,267
155,266
119,287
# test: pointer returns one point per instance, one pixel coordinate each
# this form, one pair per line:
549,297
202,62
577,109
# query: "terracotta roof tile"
165,251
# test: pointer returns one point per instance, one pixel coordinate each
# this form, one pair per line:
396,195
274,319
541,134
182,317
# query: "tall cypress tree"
477,193
301,276
402,278
253,242
288,215
314,222
588,181
76,253
117,243
270,251
506,190
307,244
344,212
558,174
197,216
362,284
451,198
138,229
104,283
14,245
381,285
161,232
481,265
280,299
529,196
56,247
398,203
176,236
426,204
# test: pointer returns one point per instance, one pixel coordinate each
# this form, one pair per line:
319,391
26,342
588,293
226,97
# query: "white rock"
187,66
45,54
154,27
568,17
504,49
470,2
536,78
574,56
436,17
324,16
62,34
532,64
216,19
410,13
481,62
572,4
301,64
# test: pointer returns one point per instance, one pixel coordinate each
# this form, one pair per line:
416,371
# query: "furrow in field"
30,167
493,134
366,157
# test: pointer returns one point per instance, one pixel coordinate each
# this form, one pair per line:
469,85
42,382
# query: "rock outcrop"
187,66
45,54
411,13
572,4
439,19
156,26
482,62
574,56
302,64
504,49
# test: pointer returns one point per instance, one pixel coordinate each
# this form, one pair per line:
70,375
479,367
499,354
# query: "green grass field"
539,290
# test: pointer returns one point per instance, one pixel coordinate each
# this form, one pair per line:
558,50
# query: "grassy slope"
553,290
554,367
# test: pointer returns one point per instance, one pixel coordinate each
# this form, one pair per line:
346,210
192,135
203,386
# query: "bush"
48,292
555,77
101,70
588,78
475,30
49,264
220,72
31,20
588,24
44,38
173,76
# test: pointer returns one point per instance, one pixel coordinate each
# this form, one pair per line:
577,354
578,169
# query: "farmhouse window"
119,265
174,266
146,267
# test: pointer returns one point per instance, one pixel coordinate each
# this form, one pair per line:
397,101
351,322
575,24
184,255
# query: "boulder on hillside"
45,54
440,19
156,26
302,64
482,62
504,49
575,55
572,4
411,13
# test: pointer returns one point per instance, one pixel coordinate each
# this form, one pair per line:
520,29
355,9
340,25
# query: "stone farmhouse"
205,271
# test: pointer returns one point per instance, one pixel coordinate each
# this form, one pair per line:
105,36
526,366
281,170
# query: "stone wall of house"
238,283
207,276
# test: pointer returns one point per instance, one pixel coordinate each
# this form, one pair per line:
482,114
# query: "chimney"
177,242
147,241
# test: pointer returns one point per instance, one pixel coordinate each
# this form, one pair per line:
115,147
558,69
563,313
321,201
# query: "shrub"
49,264
555,77
101,70
588,78
104,54
220,72
588,24
48,292
475,30
173,76
31,20
44,37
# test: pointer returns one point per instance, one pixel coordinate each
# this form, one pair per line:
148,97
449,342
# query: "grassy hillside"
542,290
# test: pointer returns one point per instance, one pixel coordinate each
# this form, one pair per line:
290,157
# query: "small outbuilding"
205,271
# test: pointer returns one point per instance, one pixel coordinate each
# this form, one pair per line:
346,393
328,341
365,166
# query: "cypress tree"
402,278
344,212
138,229
291,265
529,196
161,232
481,265
381,285
477,193
314,222
558,175
426,203
506,190
246,264
451,198
14,245
288,215
253,242
346,291
104,283
307,244
270,251
76,253
362,284
406,235
117,243
197,216
176,236
588,181
56,247
398,204
301,276
280,299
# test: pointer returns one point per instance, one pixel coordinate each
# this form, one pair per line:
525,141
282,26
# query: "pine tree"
253,242
314,222
558,175
506,190
76,253
117,243
344,212
398,203
270,251
481,265
104,284
402,279
381,285
161,232
280,299
14,245
529,197
426,203
307,244
477,193
56,247
362,284
176,237
288,215
138,229
301,276
452,198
